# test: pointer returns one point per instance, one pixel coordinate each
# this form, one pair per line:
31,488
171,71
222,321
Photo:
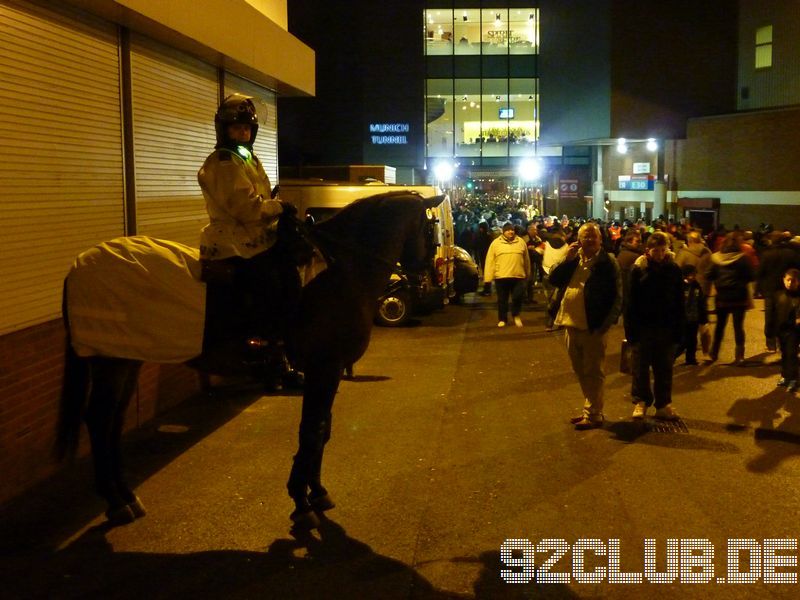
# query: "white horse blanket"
141,298
137,297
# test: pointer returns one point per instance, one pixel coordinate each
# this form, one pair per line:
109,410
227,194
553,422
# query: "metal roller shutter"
266,146
61,171
174,100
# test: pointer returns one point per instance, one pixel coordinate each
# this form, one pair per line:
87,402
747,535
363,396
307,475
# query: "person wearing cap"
509,266
244,273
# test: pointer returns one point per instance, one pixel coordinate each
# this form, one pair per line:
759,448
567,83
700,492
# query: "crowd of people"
662,278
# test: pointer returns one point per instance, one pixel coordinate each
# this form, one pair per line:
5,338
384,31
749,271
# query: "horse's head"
420,245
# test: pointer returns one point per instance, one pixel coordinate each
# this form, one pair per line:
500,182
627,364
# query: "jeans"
689,342
656,351
722,320
789,363
509,286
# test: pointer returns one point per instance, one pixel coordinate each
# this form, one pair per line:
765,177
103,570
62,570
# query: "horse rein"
313,237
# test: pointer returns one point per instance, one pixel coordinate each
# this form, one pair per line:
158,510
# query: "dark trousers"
789,346
722,320
509,286
770,328
259,299
550,292
689,342
656,351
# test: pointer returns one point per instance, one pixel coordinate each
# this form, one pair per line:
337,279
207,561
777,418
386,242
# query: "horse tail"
74,392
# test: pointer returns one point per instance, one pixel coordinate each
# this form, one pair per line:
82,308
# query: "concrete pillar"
660,188
659,198
598,196
598,190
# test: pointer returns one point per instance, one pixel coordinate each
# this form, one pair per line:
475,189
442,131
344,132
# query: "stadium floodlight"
443,171
530,169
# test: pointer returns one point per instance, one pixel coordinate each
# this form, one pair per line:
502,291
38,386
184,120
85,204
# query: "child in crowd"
694,307
787,321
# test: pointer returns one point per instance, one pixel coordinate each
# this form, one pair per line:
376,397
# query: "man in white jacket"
508,264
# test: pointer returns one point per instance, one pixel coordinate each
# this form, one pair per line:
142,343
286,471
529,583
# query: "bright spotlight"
652,145
443,171
622,147
530,169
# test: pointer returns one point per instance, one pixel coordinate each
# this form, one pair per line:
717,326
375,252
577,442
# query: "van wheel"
393,310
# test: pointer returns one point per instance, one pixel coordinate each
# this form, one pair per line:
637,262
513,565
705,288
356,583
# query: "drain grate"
656,426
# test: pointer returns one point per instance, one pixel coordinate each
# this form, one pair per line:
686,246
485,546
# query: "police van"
321,199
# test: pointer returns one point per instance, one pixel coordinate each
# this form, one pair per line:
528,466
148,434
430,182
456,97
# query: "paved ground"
453,438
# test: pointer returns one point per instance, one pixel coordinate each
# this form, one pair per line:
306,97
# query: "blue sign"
392,133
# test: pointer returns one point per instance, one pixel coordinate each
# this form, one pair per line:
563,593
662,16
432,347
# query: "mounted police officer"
250,279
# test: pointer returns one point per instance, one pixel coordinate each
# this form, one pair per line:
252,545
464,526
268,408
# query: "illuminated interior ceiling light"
464,107
464,98
497,98
497,22
622,147
652,145
472,104
464,16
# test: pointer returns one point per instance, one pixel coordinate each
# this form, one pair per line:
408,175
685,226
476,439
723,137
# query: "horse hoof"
305,520
122,515
322,503
137,508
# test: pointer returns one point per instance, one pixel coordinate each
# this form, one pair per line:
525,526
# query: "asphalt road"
453,438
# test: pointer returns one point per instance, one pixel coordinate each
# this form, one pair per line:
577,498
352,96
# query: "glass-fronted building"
481,86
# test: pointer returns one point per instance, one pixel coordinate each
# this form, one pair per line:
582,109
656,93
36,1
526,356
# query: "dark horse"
364,242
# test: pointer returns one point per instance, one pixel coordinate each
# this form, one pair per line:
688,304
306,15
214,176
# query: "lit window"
764,47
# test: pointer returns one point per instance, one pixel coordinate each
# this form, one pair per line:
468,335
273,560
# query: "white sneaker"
639,410
667,413
501,324
517,321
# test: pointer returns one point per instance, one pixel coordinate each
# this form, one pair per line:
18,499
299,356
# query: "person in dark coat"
587,303
695,312
777,257
787,312
731,273
630,250
483,239
654,324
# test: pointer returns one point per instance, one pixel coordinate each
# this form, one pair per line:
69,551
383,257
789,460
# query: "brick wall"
31,365
748,151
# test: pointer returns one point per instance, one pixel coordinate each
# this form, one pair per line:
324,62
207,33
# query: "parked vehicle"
466,277
405,295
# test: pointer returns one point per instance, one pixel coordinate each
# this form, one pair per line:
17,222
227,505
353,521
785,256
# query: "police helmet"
236,108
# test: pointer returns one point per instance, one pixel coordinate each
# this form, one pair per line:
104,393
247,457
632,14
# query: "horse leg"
129,376
318,496
104,418
321,384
